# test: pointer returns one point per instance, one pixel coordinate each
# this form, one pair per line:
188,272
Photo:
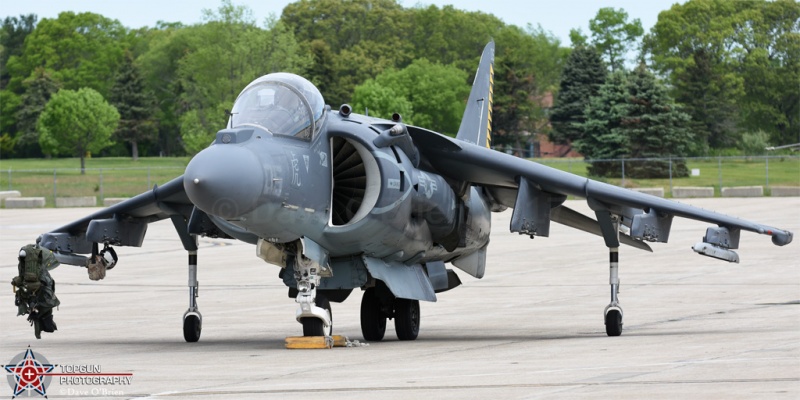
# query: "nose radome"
224,180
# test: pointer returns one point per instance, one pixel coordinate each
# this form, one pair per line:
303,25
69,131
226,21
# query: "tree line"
709,73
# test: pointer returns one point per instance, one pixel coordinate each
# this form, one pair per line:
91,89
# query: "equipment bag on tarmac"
34,288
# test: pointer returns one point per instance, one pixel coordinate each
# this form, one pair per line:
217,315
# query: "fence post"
55,186
148,178
9,179
670,175
767,157
719,173
101,186
623,172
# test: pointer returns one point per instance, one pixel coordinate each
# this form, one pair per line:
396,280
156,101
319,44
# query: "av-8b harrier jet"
341,201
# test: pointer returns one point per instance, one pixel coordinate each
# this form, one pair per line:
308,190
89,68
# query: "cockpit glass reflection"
283,104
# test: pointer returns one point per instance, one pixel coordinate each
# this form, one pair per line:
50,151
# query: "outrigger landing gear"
192,320
613,312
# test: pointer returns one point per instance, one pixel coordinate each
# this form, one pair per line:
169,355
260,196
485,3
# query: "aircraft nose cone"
224,180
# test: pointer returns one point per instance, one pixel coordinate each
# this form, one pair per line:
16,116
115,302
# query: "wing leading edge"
125,223
502,175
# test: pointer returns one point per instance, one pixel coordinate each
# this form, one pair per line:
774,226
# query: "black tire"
406,319
373,320
191,328
614,323
314,326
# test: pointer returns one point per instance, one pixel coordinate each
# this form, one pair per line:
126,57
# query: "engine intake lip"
356,182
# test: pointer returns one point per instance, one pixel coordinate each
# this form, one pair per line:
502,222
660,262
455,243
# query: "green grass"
122,177
783,171
105,177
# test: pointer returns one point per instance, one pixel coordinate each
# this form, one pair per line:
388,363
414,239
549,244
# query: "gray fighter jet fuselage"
365,199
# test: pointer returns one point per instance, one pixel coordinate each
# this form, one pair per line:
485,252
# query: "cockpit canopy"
283,104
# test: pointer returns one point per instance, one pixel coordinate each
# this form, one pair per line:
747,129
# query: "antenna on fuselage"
230,114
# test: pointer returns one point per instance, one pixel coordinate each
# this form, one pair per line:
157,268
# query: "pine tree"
633,117
655,128
602,135
39,91
583,75
135,106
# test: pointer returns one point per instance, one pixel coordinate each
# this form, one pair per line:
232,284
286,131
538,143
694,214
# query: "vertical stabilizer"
476,125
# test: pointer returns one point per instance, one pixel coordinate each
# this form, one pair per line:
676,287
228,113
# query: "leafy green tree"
771,69
754,143
225,54
613,35
79,50
39,89
451,36
12,36
577,38
344,24
9,102
709,97
583,75
527,67
381,101
165,45
434,94
353,66
744,55
350,41
354,41
77,122
135,105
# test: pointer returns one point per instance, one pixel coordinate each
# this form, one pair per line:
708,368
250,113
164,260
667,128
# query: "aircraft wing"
124,223
536,192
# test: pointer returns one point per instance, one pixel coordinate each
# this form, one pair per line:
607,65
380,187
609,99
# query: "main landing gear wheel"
192,325
373,319
613,323
314,326
406,318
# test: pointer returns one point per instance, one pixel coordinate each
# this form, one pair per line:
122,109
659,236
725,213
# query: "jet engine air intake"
356,182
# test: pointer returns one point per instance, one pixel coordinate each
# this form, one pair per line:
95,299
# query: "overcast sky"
557,17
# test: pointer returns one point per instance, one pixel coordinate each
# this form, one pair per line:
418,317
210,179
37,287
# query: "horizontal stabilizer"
569,217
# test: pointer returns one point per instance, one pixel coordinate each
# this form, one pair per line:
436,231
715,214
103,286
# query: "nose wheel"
314,326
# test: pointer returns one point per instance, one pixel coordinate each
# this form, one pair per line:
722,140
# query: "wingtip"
781,238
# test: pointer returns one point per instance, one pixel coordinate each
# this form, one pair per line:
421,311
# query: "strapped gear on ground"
34,288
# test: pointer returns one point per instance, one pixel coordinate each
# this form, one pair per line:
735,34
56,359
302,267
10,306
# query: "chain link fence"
100,183
716,172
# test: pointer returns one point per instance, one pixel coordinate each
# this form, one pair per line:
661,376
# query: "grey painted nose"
225,180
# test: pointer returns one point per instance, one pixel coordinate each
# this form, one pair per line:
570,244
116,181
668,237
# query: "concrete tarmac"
695,327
